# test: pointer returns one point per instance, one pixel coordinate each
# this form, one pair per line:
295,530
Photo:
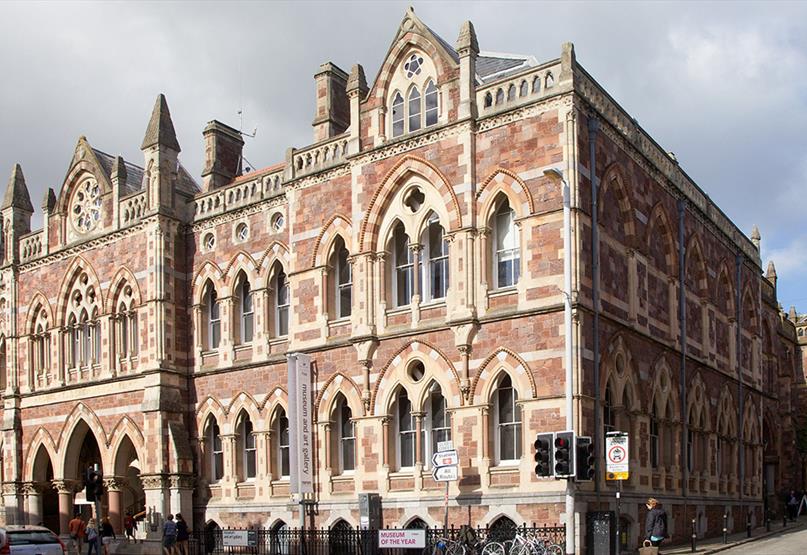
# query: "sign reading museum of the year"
301,461
239,538
406,539
616,456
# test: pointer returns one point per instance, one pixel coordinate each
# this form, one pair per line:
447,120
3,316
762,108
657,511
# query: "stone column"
484,272
381,283
33,502
156,503
65,489
417,287
181,488
113,486
633,286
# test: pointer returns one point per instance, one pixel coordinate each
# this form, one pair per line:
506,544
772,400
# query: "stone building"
416,252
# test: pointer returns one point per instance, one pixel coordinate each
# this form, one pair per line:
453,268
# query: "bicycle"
444,546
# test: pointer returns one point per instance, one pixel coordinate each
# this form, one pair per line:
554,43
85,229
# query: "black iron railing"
353,541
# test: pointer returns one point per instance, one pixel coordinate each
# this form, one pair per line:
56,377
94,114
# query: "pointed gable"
160,130
17,192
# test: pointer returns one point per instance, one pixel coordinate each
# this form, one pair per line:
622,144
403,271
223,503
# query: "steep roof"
134,174
491,66
17,192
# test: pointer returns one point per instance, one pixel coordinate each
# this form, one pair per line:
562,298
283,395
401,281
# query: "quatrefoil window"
85,209
413,65
414,199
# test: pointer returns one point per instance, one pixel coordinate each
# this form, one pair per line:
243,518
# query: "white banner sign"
617,461
445,473
406,539
301,452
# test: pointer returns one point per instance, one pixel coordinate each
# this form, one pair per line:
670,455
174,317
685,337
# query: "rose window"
86,208
413,65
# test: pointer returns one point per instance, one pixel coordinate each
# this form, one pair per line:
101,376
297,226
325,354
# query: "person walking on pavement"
92,537
107,534
656,523
128,526
183,537
169,535
792,505
76,530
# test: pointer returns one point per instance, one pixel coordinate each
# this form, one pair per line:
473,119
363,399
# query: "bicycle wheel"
494,548
555,549
455,548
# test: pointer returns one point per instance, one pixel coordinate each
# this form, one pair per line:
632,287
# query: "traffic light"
564,454
543,455
93,484
584,451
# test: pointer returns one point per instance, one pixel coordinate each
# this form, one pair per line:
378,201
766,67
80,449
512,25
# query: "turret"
468,49
160,151
770,274
17,211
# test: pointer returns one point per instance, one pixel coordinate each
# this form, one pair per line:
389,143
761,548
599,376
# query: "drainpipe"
682,334
593,129
569,349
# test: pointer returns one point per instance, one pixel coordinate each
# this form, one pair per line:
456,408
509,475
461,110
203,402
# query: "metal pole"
725,528
618,508
694,536
445,518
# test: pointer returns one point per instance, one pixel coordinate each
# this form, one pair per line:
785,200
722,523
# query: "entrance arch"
126,494
42,499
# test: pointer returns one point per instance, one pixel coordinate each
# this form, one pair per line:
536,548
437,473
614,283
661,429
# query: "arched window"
499,96
281,304
406,430
397,115
502,529
434,273
282,444
524,89
345,437
511,93
549,81
438,421
403,261
95,327
40,345
343,280
414,109
506,421
536,84
82,318
86,338
126,336
431,101
75,342
654,438
341,538
246,441
417,523
216,450
243,295
488,100
507,254
213,317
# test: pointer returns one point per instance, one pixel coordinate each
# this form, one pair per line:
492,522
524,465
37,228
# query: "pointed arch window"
608,414
507,254
212,317
434,273
438,421
246,438
397,115
343,282
524,89
506,421
404,262
414,109
345,437
244,298
282,444
40,343
654,438
216,450
406,430
431,101
282,300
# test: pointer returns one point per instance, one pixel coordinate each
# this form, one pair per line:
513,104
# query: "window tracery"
85,206
83,325
125,317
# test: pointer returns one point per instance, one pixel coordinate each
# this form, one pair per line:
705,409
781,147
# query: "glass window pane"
414,110
247,328
345,300
348,455
431,104
397,115
407,449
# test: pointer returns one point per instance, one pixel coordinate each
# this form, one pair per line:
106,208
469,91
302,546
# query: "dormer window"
414,100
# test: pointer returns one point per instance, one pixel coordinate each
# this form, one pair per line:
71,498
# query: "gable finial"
467,38
17,191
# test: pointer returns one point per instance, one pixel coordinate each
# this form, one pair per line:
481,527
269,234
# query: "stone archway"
82,453
125,488
42,500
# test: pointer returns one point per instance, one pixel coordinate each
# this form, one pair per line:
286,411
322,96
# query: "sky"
722,85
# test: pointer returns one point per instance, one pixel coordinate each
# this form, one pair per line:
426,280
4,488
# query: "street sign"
406,539
445,473
239,538
445,445
617,459
445,458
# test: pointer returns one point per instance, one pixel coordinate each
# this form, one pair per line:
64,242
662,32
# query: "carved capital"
115,483
152,481
64,487
181,481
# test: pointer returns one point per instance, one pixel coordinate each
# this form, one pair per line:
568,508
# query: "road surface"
787,543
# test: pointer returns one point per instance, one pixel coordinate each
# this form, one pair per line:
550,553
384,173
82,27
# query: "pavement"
791,540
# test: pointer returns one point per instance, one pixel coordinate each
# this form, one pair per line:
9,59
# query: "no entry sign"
617,458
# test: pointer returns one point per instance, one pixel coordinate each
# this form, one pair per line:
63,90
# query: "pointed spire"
792,313
17,192
755,237
467,39
771,273
357,80
49,201
160,130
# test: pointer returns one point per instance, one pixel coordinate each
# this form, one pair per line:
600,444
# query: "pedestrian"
92,537
792,505
169,535
107,534
182,536
128,527
76,529
655,528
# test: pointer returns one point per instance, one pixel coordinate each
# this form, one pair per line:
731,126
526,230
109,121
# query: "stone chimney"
223,154
356,91
333,107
